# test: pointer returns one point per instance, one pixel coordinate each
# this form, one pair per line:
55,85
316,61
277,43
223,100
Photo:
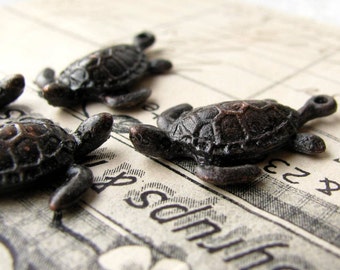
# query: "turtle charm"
226,139
11,87
105,76
34,150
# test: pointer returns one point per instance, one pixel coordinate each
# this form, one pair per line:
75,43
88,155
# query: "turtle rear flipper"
159,66
309,144
127,100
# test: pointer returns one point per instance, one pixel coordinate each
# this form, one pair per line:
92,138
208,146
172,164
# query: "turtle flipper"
78,180
167,117
92,133
11,87
159,66
128,100
307,144
222,176
45,77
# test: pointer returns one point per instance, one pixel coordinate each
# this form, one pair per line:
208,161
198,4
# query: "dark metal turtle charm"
33,150
11,87
225,139
106,76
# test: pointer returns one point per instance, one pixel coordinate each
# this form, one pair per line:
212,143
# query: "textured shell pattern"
107,69
236,127
31,148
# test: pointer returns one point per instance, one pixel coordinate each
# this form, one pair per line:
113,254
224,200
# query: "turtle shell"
236,130
31,148
108,69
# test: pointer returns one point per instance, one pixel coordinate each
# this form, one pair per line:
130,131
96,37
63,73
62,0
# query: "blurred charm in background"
106,76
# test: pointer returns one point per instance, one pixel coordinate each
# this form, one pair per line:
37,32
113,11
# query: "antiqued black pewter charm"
34,150
11,87
226,139
106,76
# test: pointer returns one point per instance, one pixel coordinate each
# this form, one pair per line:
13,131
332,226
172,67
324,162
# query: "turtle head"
92,133
11,87
59,95
317,106
144,40
151,141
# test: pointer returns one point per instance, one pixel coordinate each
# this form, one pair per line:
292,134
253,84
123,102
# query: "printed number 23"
286,176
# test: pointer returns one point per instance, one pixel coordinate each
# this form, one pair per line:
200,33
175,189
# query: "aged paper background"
154,214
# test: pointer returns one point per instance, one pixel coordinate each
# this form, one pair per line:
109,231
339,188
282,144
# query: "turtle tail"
144,40
317,106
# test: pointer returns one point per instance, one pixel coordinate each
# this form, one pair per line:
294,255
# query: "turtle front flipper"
306,143
92,133
78,180
127,100
222,176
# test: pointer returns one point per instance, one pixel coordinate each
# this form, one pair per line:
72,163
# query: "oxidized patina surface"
33,150
226,138
107,76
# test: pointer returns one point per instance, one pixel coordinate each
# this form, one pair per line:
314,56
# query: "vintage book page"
144,213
